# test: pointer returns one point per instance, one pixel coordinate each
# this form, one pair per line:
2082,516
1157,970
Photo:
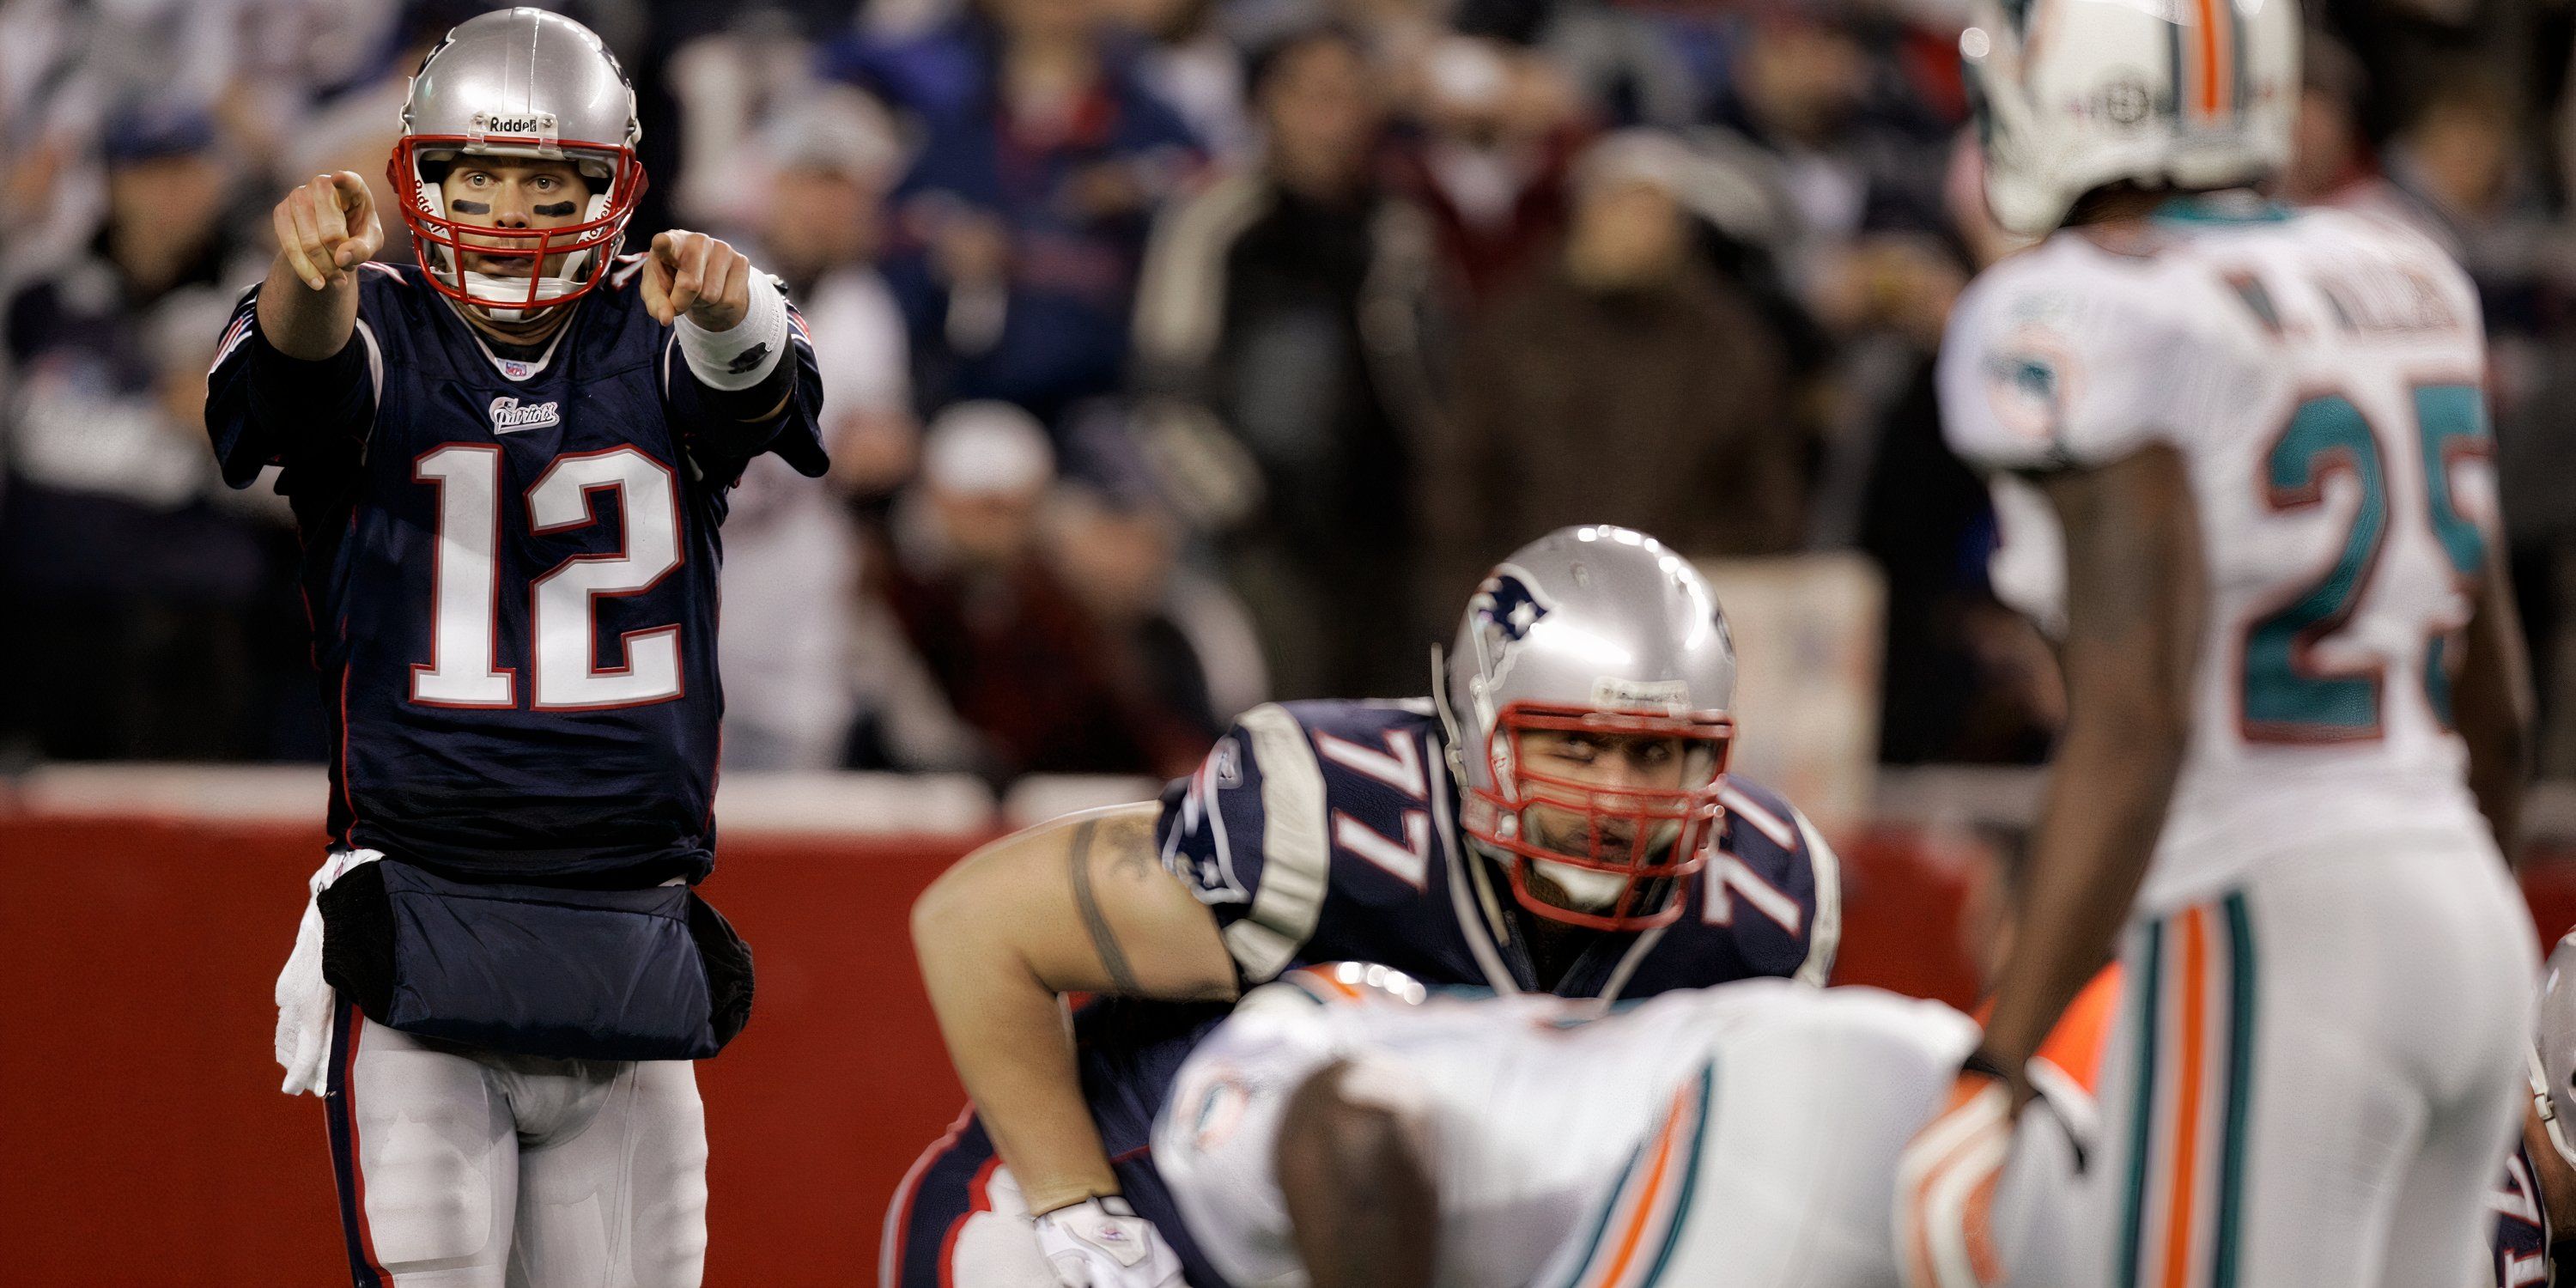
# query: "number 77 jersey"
510,560
2320,371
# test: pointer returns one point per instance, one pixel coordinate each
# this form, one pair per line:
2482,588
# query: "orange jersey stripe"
2075,1045
1324,976
1643,1214
2188,1061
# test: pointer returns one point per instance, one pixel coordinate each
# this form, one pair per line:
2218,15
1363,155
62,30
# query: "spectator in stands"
1622,63
2451,169
1019,661
130,596
1188,61
1020,228
1499,126
1281,340
1120,555
1859,123
791,575
1966,679
1627,385
2328,153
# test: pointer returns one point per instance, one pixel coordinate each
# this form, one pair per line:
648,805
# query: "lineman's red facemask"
1600,814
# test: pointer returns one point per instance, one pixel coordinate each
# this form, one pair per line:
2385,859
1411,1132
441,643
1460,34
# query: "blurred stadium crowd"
1183,353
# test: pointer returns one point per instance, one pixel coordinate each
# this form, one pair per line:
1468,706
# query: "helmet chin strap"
2547,1109
1593,890
1588,889
487,287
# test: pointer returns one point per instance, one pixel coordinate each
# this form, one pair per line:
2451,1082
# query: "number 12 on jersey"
463,670
2286,696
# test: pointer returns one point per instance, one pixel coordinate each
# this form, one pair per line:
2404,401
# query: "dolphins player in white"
2241,463
1343,1131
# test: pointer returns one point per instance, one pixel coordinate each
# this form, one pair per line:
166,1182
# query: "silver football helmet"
2553,1049
518,83
1597,630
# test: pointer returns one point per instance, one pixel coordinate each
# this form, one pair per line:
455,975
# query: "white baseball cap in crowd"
986,447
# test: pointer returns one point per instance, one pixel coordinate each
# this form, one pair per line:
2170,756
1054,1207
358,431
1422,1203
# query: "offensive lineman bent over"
508,464
1340,1131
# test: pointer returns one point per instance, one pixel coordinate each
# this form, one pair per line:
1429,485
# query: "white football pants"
462,1168
2317,1075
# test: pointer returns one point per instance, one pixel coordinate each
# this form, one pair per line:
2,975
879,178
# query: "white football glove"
1102,1243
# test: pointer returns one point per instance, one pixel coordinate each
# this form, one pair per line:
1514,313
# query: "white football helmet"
2071,95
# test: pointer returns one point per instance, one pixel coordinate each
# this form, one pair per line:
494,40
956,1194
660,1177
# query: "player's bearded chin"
1583,889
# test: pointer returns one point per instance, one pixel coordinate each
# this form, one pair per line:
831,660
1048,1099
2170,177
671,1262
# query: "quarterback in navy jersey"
1558,819
508,462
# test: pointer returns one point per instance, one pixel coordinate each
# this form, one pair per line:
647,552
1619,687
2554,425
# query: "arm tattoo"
1104,941
1131,848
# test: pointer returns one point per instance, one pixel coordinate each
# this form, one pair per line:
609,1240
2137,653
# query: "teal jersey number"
2452,420
2285,697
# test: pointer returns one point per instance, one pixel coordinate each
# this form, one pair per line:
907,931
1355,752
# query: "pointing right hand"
328,227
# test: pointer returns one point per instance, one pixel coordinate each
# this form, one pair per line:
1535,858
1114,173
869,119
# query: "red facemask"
434,229
1650,838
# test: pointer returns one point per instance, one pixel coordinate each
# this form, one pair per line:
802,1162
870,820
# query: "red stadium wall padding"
145,1141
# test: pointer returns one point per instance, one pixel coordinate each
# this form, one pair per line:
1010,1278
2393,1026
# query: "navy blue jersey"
510,560
2522,1225
1326,831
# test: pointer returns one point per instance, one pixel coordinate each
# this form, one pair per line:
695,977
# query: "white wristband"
744,356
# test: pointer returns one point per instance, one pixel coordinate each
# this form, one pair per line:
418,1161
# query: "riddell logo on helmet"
1611,693
541,124
509,417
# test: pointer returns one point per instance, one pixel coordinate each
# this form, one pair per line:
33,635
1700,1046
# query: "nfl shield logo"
515,369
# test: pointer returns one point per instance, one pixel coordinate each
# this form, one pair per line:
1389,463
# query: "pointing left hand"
698,275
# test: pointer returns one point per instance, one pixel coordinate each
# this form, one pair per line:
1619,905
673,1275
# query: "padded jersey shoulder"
2073,355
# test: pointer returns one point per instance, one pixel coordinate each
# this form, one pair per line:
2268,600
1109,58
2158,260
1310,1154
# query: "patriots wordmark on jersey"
510,561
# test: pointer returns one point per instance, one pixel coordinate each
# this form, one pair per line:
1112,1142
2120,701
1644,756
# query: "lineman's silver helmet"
518,83
1597,630
2553,1049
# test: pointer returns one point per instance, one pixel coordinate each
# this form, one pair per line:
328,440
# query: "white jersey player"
1339,1129
2241,457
